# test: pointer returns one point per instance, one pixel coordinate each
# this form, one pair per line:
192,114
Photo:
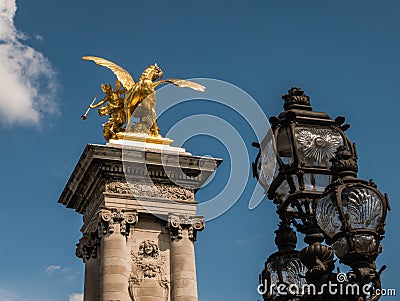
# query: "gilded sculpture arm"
100,103
118,88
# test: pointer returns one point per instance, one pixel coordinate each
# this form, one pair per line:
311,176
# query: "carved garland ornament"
177,223
148,266
170,192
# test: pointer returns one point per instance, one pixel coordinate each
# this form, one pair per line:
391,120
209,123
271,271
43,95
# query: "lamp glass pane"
296,182
283,190
272,268
316,182
341,247
267,164
327,215
363,207
295,272
317,145
284,144
289,268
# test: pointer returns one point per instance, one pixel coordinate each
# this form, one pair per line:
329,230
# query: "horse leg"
128,120
154,127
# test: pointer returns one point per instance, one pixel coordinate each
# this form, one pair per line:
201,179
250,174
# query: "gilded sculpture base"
144,138
143,141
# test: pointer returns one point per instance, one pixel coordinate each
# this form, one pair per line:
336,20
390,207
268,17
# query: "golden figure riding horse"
140,97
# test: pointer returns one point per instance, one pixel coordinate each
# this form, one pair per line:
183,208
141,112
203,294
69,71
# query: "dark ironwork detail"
285,238
296,99
344,163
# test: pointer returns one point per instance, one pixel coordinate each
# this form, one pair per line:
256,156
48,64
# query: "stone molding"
176,223
171,192
110,216
94,202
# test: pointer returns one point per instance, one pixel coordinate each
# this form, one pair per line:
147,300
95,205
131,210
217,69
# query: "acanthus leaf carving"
87,247
176,224
110,216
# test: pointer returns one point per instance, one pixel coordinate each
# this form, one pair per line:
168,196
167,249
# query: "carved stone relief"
170,192
148,271
87,246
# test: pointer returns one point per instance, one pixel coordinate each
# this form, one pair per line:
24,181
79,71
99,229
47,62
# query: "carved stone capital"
176,223
87,246
110,216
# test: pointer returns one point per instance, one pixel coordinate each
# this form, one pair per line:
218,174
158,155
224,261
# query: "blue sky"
344,54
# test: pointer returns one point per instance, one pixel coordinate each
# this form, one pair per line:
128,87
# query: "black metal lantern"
283,273
295,155
352,214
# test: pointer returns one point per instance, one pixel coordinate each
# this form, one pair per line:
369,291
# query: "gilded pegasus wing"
181,83
123,76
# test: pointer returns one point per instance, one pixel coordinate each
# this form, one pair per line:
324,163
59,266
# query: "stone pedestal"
139,220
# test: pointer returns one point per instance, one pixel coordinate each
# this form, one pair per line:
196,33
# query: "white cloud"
76,297
52,268
6,295
28,85
38,37
69,274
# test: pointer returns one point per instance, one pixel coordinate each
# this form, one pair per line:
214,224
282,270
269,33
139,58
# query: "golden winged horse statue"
139,100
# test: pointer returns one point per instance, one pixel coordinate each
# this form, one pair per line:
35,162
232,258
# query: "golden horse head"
153,72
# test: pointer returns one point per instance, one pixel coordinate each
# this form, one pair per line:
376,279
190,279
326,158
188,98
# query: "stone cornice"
99,162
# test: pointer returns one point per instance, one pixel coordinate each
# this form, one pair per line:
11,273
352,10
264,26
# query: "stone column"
183,231
87,249
115,268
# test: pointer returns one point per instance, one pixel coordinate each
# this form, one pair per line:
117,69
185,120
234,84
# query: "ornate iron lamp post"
304,154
